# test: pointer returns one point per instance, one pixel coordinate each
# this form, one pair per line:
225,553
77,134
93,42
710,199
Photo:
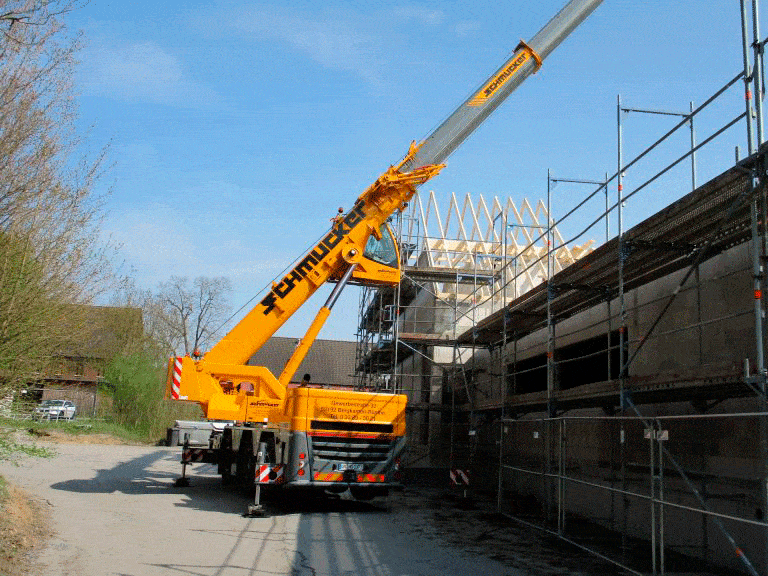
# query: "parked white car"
55,410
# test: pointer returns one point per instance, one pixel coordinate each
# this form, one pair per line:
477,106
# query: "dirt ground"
24,527
112,509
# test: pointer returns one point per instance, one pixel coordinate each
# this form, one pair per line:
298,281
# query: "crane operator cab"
380,263
383,249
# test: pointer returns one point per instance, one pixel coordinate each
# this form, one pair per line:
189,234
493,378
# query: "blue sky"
236,129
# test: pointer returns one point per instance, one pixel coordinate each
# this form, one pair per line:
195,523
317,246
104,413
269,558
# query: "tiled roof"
329,362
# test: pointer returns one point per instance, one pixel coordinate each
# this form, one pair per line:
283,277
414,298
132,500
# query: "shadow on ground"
151,473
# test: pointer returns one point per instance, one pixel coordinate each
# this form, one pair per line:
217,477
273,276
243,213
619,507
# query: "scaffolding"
630,374
460,265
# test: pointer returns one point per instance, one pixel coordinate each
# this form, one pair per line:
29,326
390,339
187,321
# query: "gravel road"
115,511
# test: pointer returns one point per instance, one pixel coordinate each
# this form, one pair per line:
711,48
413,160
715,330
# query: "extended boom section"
526,60
331,439
221,382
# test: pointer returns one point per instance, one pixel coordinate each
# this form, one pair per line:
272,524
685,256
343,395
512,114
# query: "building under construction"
607,382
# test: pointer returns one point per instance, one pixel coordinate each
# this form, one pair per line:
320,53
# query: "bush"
138,382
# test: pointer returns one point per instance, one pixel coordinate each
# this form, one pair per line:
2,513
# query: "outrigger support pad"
183,482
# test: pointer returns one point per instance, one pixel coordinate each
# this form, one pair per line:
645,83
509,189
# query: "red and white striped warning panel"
459,477
176,382
269,474
198,455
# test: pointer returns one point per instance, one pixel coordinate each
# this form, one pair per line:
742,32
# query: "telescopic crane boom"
345,243
526,60
359,247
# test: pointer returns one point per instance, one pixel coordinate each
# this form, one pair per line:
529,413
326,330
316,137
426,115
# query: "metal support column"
693,150
550,359
502,355
622,322
561,473
747,78
758,72
550,295
759,83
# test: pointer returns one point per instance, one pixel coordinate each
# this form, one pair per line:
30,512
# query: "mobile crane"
321,439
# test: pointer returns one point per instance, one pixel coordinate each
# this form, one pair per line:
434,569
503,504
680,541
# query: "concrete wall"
424,382
709,328
710,325
720,456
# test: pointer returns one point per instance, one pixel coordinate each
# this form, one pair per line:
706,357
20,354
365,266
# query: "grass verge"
23,526
82,428
11,449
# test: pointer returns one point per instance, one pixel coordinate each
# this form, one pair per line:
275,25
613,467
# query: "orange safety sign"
329,477
371,478
268,474
338,477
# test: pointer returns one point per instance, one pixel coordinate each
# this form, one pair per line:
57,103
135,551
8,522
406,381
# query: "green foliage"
10,450
51,252
78,427
26,312
137,400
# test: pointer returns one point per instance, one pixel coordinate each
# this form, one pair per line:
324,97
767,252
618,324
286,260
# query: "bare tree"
156,341
192,315
50,257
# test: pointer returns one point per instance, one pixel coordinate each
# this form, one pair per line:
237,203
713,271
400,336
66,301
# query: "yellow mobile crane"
311,438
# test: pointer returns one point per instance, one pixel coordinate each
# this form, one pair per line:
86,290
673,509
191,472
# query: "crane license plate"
357,467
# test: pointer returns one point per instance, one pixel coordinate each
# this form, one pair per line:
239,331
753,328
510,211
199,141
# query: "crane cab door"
380,263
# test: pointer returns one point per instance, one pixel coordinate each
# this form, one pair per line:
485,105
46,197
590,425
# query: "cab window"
382,251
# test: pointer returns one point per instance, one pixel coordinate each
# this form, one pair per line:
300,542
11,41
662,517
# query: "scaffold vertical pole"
651,431
661,439
759,93
693,149
547,440
502,353
550,336
451,448
608,295
747,77
757,76
622,320
754,190
562,443
750,74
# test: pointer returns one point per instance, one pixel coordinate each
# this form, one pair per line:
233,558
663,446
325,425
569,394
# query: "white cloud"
162,239
467,27
152,245
420,14
141,72
349,43
346,40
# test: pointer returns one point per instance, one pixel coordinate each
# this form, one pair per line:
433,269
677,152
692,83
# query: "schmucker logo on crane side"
499,79
336,235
